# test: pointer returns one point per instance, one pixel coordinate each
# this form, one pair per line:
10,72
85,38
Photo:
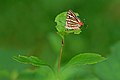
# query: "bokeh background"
27,27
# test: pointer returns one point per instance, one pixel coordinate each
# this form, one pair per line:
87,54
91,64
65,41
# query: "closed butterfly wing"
72,21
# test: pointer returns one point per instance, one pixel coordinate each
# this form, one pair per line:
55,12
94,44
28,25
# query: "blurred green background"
27,27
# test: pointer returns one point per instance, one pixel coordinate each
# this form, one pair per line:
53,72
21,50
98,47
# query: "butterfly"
72,21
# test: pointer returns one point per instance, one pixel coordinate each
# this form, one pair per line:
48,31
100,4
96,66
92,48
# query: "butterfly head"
81,23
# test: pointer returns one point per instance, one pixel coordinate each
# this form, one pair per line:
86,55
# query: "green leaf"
74,31
76,66
86,58
32,60
29,60
61,22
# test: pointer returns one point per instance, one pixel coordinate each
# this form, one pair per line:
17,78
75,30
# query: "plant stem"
60,57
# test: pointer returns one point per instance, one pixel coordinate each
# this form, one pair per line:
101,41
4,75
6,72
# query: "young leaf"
29,60
86,58
61,23
61,20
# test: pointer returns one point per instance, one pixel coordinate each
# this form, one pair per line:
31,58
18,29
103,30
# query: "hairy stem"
60,57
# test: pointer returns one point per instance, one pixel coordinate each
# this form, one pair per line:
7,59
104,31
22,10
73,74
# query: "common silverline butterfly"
72,21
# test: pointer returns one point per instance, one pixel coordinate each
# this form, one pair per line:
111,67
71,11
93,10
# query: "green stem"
60,57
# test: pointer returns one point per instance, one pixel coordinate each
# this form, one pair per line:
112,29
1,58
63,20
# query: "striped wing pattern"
72,21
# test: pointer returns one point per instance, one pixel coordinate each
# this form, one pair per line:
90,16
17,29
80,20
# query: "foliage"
61,21
81,59
27,28
29,60
86,58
